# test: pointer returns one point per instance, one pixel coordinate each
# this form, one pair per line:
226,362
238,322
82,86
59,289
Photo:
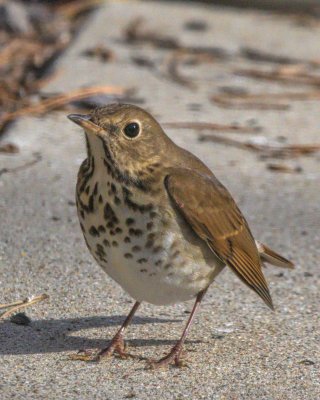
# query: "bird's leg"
175,353
116,345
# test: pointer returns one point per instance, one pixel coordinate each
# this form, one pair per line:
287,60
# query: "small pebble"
20,319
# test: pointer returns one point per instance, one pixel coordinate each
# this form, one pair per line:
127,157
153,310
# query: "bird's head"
125,137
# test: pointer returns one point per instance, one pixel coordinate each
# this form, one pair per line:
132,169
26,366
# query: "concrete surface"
237,348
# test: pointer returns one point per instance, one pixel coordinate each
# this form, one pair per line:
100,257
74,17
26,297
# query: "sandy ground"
237,349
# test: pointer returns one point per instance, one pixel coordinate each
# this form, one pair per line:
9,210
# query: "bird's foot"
116,347
173,358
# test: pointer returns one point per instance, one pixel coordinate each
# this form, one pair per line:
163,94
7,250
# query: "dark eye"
132,130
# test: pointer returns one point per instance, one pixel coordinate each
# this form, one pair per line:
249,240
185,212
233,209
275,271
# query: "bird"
158,221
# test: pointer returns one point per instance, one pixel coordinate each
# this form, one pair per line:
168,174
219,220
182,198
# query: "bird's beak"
84,120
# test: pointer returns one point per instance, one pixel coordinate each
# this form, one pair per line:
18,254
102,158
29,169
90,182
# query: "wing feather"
213,214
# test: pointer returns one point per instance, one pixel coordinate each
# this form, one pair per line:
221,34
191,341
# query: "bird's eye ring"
132,130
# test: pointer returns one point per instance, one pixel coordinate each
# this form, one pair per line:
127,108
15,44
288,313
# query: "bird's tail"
270,256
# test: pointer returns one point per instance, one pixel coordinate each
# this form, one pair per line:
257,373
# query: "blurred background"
236,82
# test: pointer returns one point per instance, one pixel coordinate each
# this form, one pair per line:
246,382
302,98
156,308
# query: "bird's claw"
171,359
117,347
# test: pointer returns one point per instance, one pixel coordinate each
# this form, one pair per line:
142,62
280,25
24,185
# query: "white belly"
159,268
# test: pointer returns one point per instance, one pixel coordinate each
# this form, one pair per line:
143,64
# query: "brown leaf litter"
30,41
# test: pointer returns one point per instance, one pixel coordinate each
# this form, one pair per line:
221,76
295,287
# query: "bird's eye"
132,130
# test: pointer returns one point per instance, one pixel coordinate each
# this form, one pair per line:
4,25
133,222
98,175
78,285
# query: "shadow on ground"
51,336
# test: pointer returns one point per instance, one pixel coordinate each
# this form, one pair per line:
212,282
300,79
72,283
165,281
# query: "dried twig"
73,9
136,34
37,158
60,100
186,55
266,57
284,168
172,70
281,151
202,126
293,74
227,102
262,101
20,304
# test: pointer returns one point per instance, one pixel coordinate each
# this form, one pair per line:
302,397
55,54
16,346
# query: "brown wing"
215,217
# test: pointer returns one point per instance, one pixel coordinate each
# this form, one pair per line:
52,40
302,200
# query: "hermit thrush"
157,220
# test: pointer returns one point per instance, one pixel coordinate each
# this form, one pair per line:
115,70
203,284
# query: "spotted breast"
133,237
